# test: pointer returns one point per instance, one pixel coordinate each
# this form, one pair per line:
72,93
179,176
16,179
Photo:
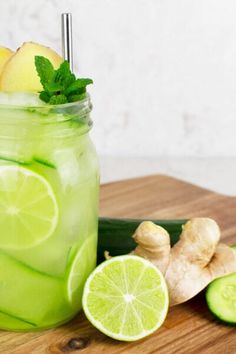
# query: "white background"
164,79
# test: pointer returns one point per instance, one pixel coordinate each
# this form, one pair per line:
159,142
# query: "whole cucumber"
115,235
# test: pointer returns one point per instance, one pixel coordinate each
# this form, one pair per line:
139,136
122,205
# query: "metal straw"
66,31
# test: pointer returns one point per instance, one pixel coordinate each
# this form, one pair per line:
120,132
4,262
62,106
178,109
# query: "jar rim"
53,113
46,105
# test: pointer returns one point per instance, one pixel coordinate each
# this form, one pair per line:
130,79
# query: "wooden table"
189,328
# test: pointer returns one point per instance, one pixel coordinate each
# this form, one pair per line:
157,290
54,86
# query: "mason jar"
49,183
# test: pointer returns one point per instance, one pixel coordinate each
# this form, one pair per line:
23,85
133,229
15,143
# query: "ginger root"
193,262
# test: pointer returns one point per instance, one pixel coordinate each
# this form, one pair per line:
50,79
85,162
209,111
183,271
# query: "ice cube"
27,99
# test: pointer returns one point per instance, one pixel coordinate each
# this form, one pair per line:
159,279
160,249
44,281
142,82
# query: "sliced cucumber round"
221,298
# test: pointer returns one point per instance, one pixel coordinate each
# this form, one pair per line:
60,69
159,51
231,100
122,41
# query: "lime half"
126,298
28,208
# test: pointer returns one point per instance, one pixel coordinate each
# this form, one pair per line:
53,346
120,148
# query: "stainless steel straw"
66,31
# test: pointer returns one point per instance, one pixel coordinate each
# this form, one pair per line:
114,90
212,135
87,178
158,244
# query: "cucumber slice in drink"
18,136
221,298
8,322
73,158
44,162
30,295
19,152
49,257
5,160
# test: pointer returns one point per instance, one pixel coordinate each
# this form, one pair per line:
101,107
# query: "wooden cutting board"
189,328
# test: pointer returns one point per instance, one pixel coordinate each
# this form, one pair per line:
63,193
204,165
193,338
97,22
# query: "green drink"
48,210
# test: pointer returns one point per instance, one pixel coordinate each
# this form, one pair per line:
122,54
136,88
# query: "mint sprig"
60,86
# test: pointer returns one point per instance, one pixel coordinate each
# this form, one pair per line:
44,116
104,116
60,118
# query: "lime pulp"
126,298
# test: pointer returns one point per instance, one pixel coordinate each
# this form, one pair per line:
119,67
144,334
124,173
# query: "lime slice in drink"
83,264
126,298
28,208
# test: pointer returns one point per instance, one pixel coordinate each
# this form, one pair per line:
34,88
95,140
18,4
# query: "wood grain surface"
189,328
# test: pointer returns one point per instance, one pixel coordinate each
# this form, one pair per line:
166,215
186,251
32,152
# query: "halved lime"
28,208
83,264
126,298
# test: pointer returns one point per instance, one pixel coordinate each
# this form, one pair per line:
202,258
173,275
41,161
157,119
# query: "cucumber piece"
115,235
9,322
17,141
44,162
30,295
19,162
221,298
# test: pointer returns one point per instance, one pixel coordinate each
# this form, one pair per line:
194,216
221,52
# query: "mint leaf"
74,98
63,72
77,85
53,87
58,99
44,69
60,86
44,96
